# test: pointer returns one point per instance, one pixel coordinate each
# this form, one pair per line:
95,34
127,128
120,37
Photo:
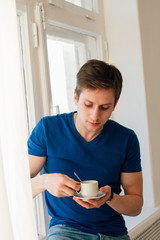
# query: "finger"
68,191
84,204
105,189
71,183
65,193
95,203
62,194
62,191
98,203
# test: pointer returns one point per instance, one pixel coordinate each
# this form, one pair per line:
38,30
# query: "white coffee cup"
89,188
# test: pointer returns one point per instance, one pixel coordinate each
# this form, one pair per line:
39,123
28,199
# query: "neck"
88,136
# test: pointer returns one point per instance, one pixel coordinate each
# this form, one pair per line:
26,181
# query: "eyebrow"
108,104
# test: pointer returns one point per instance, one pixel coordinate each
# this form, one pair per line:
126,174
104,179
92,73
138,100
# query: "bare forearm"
130,205
38,185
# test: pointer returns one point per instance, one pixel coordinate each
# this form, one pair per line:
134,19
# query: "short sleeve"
37,140
132,161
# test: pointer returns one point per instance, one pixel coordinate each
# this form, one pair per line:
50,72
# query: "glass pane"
87,4
76,2
67,51
23,70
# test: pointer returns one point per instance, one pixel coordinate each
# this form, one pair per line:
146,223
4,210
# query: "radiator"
151,233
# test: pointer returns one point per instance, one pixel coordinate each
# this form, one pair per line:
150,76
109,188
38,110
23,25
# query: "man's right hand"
60,185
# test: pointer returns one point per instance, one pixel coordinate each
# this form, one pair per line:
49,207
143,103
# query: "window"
67,51
64,39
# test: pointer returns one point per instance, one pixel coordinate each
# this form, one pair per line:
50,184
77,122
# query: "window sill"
138,224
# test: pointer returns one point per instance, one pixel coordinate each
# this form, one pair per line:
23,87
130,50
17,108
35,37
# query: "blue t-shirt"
114,150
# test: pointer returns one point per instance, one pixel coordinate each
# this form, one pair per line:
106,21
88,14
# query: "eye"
104,108
88,105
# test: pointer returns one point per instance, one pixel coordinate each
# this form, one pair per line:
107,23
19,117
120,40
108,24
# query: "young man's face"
94,107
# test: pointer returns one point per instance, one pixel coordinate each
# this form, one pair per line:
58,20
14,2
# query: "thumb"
105,189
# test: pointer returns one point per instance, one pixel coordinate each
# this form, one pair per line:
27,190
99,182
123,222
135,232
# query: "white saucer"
100,194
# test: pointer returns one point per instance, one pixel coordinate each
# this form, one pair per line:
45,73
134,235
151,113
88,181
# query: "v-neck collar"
94,140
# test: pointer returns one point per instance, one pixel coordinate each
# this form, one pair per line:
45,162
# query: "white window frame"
30,105
72,17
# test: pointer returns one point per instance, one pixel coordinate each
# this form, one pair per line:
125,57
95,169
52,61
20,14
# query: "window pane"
87,4
67,51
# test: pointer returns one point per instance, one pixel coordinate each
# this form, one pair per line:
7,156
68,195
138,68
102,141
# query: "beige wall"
149,18
131,32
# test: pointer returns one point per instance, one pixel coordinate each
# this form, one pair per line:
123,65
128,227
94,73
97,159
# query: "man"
96,148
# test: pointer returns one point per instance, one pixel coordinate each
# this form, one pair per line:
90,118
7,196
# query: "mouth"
94,124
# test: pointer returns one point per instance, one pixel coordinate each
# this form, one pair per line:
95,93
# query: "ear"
115,105
75,98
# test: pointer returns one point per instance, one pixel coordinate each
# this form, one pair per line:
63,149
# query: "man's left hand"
97,203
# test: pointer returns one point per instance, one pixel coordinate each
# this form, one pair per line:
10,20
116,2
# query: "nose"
95,114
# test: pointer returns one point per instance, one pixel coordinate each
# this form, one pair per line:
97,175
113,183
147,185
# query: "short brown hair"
99,74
